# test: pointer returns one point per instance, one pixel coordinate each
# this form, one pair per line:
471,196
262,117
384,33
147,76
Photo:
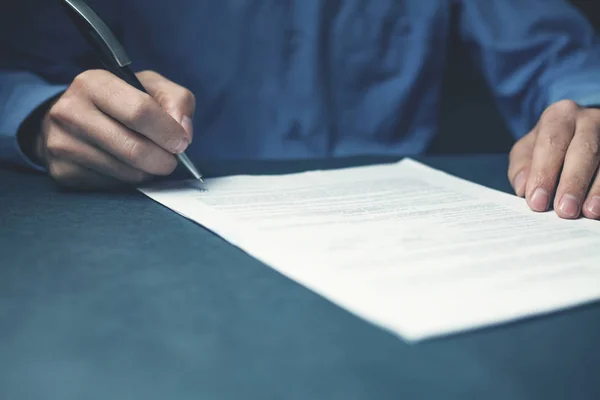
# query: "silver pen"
183,158
111,54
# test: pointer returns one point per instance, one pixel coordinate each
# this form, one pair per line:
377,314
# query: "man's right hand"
103,132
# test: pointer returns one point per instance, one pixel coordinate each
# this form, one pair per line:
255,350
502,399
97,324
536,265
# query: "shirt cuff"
591,100
583,90
22,101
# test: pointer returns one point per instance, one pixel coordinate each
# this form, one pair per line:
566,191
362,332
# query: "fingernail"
181,145
540,200
176,115
569,206
186,123
520,182
594,206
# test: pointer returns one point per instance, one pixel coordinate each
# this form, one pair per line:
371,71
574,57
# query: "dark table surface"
112,296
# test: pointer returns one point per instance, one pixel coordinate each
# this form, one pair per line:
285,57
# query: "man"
298,78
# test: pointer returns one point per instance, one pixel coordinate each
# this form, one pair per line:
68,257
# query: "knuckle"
576,183
57,172
522,150
591,147
187,97
544,179
53,170
86,79
514,150
80,82
169,141
147,74
161,96
141,108
56,145
63,110
558,141
143,74
135,151
564,108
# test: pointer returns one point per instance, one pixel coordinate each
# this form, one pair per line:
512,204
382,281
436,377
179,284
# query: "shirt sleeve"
41,52
20,94
533,53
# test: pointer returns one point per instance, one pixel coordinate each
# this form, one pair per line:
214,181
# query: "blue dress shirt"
308,78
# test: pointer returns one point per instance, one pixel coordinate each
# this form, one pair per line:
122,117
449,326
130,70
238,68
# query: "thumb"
176,100
519,163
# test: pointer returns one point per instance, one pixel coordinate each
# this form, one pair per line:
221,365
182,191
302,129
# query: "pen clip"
97,33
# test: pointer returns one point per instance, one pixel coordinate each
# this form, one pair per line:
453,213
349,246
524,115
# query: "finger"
592,204
134,109
62,146
520,162
581,163
175,99
70,175
98,129
555,131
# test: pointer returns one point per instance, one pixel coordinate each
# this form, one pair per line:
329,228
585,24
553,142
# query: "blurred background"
466,98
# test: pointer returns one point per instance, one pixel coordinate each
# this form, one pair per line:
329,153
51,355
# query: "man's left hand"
557,162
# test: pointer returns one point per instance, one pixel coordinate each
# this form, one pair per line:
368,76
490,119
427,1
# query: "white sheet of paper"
414,250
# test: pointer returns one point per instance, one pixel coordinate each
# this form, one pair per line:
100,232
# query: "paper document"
414,250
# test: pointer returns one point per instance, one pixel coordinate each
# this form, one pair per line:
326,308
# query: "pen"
111,53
